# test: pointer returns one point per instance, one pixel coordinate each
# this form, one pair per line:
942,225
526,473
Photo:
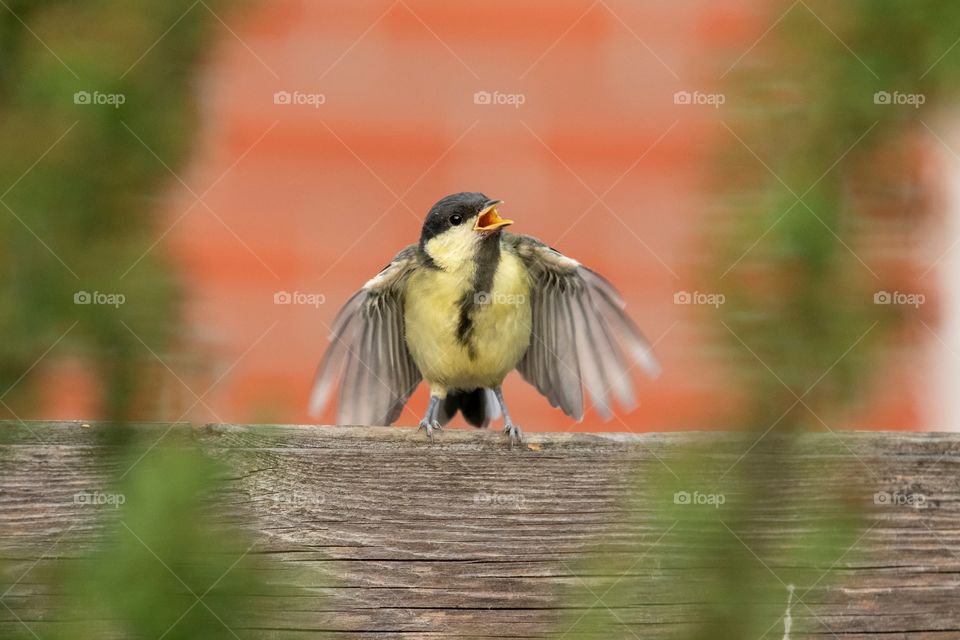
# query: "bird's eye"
456,219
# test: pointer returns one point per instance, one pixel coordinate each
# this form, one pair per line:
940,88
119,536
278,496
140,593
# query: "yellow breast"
500,325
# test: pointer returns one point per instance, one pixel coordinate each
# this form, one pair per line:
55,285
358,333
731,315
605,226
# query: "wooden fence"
390,535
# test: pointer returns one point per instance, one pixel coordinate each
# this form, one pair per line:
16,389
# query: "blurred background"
191,197
192,194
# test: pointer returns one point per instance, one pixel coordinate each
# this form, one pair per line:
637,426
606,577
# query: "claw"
429,422
430,427
514,432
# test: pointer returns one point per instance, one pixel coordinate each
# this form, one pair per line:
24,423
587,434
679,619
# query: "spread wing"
368,346
581,336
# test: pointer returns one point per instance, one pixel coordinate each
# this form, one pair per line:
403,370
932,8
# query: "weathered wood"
394,536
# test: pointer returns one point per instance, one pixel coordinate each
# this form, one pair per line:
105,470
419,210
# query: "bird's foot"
429,427
514,432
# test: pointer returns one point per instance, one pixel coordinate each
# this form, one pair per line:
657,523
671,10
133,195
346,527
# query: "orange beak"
489,219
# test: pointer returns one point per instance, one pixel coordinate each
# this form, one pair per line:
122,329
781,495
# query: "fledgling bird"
465,306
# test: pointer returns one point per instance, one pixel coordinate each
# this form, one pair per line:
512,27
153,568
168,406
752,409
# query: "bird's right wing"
580,334
367,343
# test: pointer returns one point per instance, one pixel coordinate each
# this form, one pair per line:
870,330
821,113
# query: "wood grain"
387,535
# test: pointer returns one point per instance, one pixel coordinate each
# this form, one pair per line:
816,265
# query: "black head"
459,210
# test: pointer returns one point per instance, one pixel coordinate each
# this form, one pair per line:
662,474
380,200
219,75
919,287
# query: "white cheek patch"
454,248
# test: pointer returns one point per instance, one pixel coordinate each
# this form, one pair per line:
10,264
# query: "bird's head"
458,226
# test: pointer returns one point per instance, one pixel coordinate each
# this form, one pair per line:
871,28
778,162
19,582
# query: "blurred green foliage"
95,99
170,558
816,155
79,193
793,260
170,568
721,555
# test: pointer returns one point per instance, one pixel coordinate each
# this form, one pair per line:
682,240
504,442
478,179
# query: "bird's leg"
509,428
429,422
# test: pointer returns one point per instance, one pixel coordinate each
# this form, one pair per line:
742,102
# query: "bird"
465,306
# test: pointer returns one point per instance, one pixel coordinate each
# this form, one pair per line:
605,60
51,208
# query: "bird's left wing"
580,334
369,347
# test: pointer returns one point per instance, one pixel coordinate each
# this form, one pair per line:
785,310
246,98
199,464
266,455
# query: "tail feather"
478,407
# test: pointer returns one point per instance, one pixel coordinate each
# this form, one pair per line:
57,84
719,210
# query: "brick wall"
305,199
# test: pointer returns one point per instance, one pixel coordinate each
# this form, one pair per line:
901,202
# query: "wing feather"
613,361
596,373
567,376
352,378
581,335
368,353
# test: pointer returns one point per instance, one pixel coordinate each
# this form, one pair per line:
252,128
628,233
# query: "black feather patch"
479,293
472,404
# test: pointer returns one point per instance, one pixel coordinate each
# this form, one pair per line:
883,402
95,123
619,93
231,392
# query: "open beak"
489,219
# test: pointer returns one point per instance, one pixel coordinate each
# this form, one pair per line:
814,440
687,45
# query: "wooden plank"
388,535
